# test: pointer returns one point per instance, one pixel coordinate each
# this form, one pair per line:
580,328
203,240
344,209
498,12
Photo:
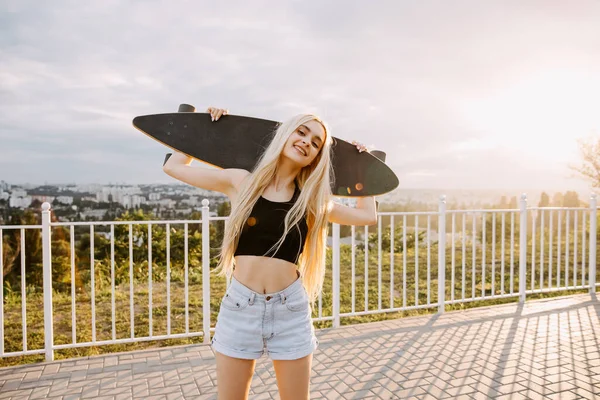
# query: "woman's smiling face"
305,143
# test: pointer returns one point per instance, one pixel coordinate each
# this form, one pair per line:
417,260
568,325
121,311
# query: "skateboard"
238,142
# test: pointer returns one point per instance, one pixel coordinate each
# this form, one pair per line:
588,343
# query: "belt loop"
251,300
283,298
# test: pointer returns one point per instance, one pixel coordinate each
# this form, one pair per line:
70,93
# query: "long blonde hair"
313,202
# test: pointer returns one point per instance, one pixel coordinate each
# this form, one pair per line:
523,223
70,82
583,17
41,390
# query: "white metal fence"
409,260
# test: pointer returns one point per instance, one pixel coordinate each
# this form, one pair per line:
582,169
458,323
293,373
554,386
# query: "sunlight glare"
541,115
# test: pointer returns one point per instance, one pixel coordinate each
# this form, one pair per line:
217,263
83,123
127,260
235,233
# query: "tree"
558,199
35,205
571,199
590,154
223,210
398,238
33,250
544,200
11,248
503,202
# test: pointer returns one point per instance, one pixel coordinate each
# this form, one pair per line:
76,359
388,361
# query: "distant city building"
154,196
4,186
138,200
101,198
65,199
20,202
87,188
18,193
4,195
93,214
205,193
89,198
168,203
116,193
42,198
192,201
134,201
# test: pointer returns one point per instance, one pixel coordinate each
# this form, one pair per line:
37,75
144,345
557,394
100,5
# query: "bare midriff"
264,274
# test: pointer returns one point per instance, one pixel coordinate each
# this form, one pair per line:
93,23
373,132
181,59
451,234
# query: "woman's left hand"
361,147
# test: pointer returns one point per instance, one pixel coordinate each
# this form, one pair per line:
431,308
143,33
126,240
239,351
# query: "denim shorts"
251,324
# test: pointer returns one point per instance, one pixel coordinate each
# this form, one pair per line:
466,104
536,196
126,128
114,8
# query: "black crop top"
265,226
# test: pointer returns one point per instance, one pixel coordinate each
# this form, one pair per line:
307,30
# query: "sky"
459,94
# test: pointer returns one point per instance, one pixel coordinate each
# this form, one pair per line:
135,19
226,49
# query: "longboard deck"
238,142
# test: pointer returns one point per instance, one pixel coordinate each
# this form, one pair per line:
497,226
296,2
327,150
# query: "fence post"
592,255
336,274
522,248
206,271
442,254
47,283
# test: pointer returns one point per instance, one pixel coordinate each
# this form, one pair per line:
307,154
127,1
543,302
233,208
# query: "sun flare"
541,115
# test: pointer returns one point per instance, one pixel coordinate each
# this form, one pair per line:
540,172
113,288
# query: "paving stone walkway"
544,349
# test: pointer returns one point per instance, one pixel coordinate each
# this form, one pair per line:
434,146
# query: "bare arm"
226,181
365,212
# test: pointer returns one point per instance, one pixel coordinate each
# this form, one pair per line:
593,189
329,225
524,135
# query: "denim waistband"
282,295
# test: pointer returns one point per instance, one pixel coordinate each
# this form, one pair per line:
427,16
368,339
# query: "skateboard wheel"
186,108
379,154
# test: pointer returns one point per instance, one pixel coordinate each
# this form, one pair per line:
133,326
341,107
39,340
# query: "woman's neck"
285,177
280,183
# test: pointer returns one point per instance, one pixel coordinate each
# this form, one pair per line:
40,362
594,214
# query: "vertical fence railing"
557,250
47,274
593,242
442,255
335,264
523,248
205,271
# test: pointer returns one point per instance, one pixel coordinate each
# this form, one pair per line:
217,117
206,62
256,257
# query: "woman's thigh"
234,376
293,377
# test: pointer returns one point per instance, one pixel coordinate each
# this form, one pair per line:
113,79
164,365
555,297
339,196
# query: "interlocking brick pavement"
544,349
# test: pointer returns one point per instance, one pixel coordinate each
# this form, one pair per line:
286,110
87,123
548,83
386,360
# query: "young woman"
274,252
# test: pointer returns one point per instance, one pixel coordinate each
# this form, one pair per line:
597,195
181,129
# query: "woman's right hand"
216,113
